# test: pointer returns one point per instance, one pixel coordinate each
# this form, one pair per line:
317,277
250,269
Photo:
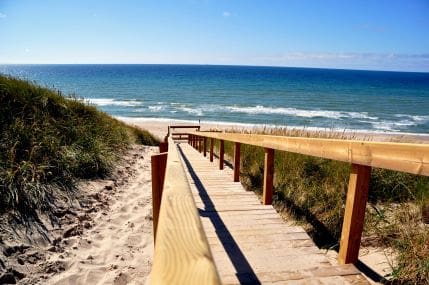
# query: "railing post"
158,165
236,162
163,147
357,196
189,139
221,153
205,146
267,195
200,144
211,149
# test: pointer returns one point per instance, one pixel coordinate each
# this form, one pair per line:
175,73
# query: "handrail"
182,254
170,127
405,157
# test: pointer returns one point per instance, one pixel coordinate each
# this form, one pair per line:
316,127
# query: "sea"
307,98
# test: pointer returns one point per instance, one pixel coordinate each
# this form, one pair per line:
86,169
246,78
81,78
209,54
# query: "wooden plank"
179,134
406,157
197,143
267,194
221,154
200,144
197,127
236,176
163,147
211,149
245,236
158,165
182,254
300,275
357,196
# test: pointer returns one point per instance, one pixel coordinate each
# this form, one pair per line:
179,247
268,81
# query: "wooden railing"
181,135
182,254
405,157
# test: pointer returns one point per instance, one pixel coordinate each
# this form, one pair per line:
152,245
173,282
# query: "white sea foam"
113,102
360,115
300,112
394,126
284,111
416,118
156,108
193,111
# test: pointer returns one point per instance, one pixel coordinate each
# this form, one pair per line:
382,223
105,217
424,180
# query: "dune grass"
313,191
48,141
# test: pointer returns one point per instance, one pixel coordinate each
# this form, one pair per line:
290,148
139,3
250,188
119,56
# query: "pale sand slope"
119,248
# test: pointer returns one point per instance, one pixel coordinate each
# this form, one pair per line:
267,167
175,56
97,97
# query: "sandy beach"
159,129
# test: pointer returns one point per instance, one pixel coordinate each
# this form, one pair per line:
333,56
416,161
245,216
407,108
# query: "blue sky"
361,34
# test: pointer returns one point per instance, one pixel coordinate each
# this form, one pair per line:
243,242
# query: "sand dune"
119,248
103,236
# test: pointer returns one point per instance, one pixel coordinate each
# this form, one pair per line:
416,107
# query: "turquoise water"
295,97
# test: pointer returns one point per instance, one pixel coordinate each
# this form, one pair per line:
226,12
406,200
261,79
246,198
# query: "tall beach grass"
48,141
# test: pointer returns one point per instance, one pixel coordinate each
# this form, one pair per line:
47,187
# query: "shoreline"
159,126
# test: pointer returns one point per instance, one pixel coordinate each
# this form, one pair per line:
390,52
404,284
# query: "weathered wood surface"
354,215
158,167
267,192
406,157
236,176
249,241
182,254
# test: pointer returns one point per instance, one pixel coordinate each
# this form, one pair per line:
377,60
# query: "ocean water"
293,97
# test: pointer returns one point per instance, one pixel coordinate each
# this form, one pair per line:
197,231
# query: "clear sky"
360,34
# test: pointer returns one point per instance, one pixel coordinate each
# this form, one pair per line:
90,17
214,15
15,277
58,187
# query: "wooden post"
221,153
236,162
205,146
163,147
267,195
200,144
211,149
158,165
189,139
357,196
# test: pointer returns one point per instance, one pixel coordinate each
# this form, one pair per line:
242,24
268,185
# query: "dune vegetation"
48,141
313,191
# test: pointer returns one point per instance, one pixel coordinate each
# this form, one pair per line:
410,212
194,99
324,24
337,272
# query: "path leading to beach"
119,248
104,235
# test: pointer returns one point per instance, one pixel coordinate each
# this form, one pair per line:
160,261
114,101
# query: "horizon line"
230,65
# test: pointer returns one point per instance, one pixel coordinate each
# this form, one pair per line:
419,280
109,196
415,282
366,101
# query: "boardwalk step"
249,241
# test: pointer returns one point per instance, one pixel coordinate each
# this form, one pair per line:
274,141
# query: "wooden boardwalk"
249,241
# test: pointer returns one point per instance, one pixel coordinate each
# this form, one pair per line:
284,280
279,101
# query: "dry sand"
159,129
107,239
